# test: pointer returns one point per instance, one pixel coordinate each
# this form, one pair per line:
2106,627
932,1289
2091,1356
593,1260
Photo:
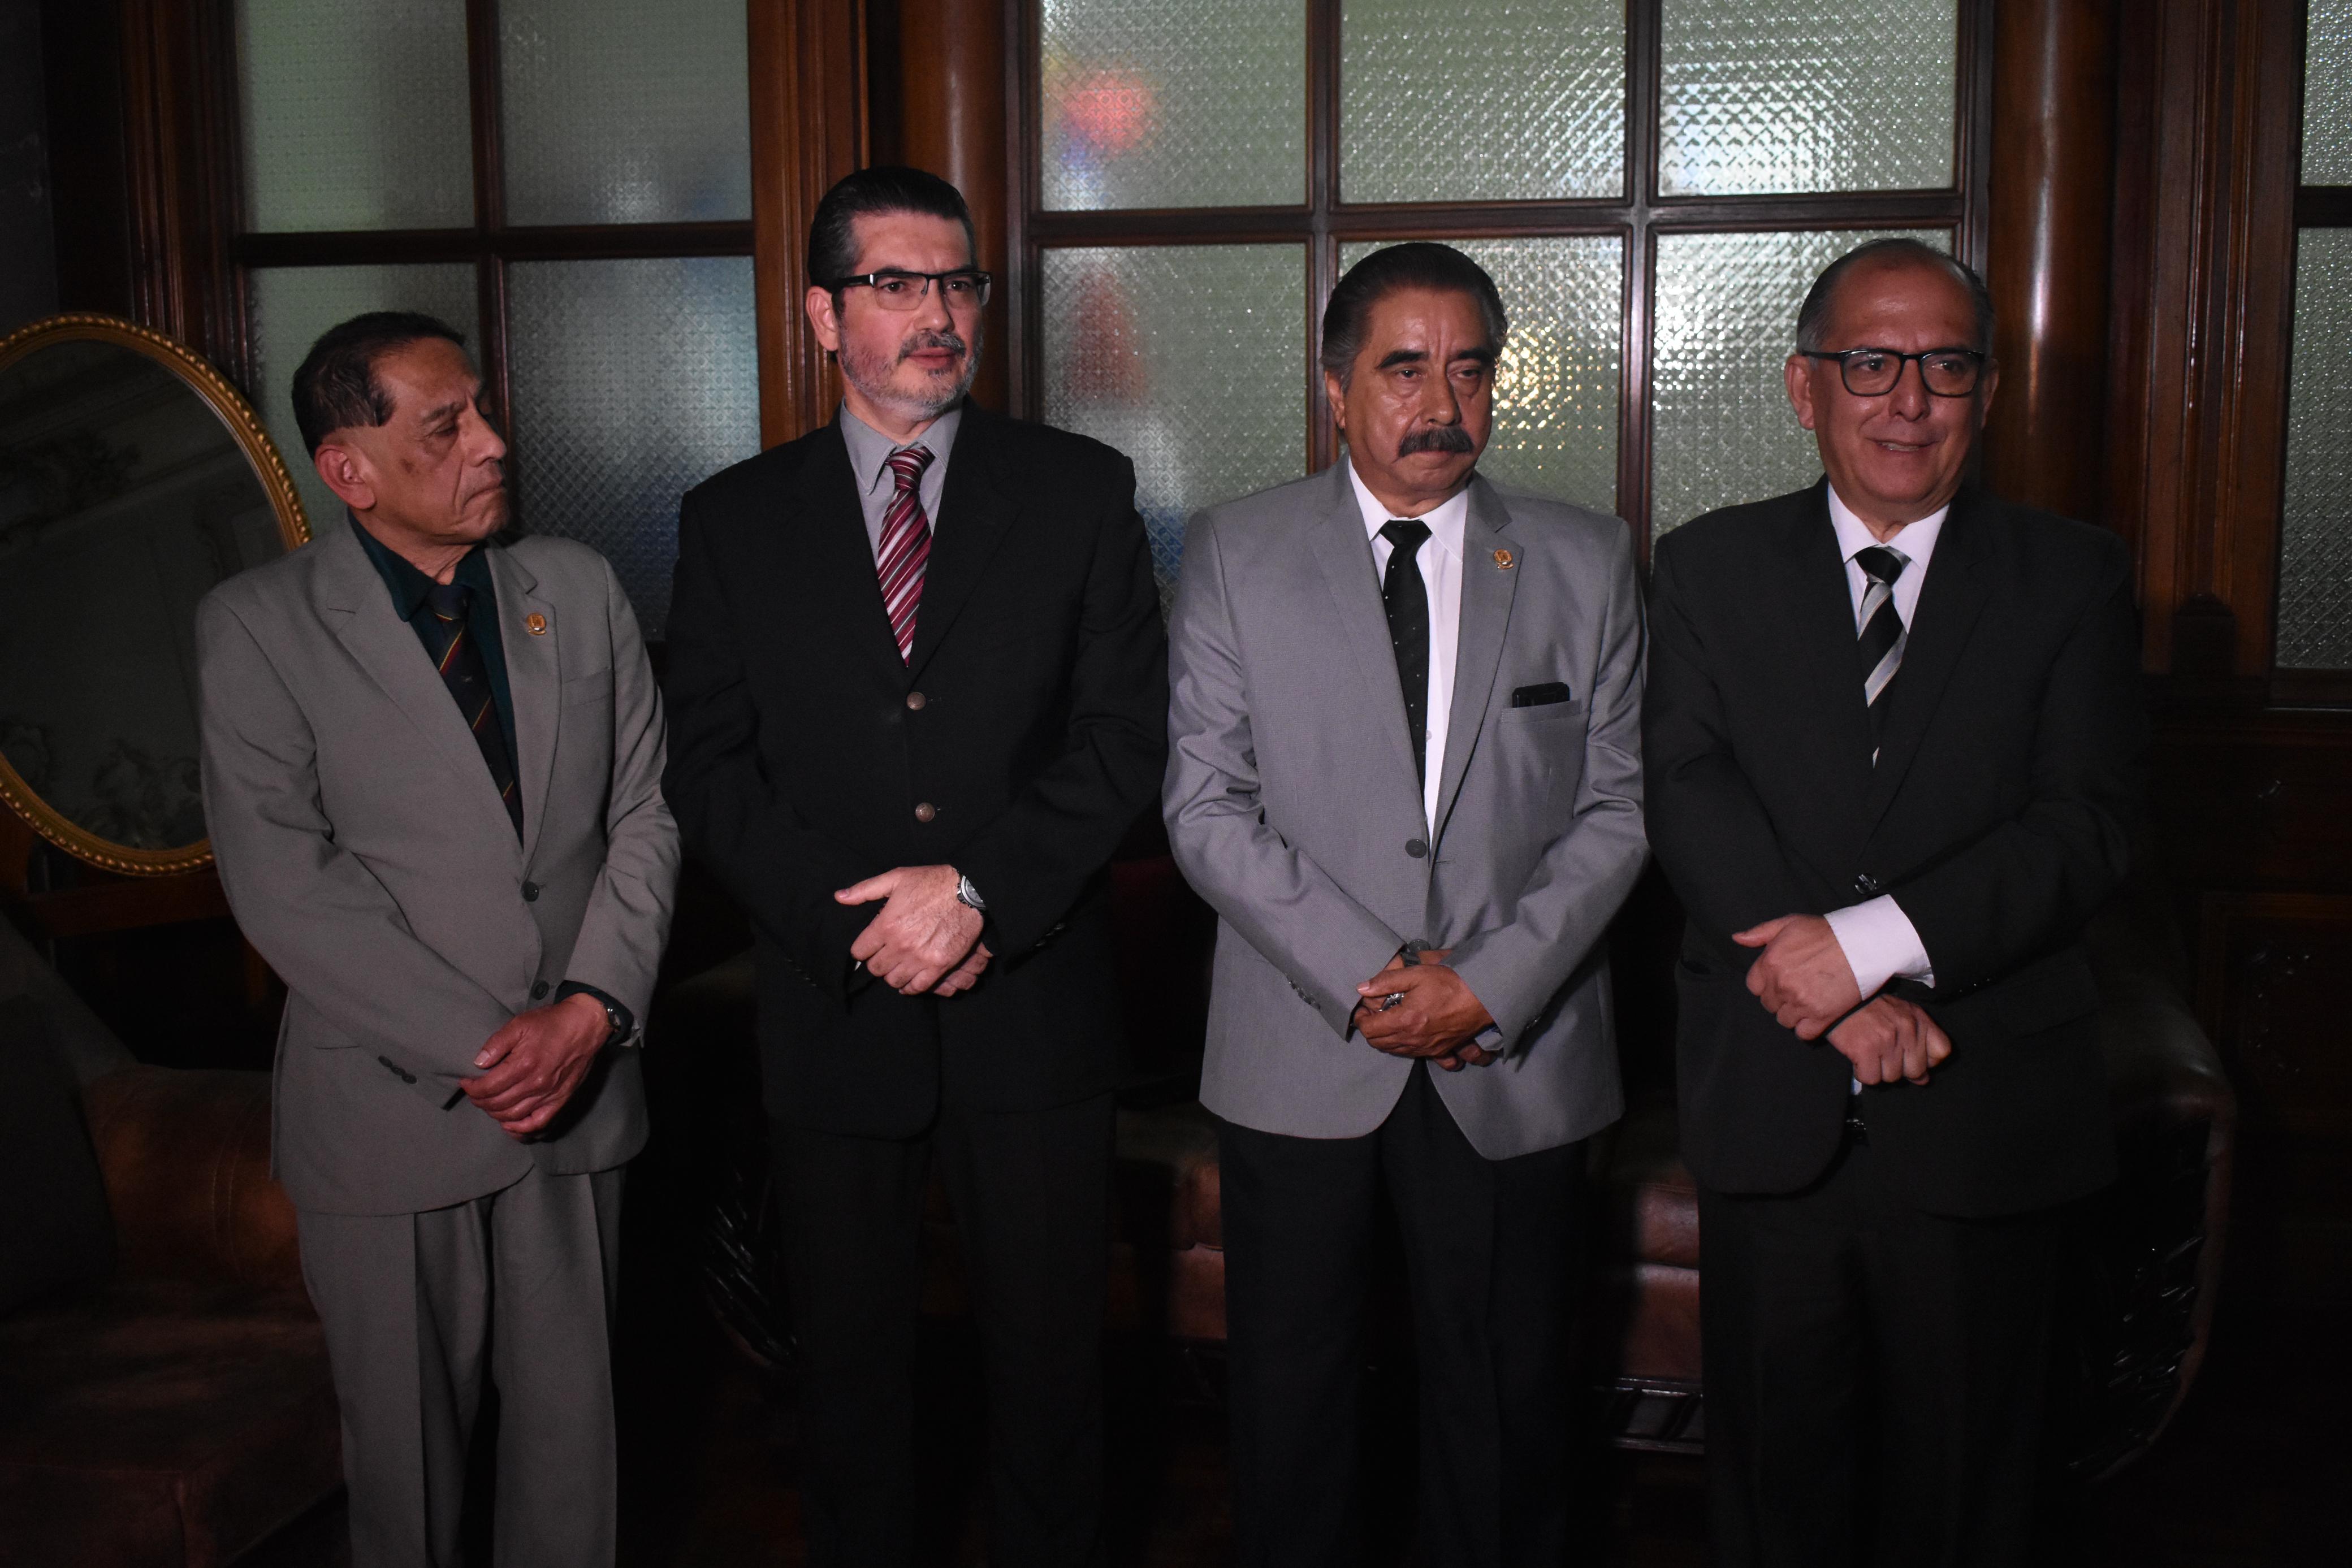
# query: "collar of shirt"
409,586
1916,542
871,451
1445,523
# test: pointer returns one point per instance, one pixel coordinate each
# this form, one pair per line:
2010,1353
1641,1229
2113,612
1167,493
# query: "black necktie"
1883,633
1408,606
459,659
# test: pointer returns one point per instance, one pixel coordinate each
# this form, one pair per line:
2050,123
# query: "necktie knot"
1880,564
449,600
907,465
1404,535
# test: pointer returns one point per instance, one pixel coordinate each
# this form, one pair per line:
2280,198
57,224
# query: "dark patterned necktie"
1407,601
1883,635
459,656
906,546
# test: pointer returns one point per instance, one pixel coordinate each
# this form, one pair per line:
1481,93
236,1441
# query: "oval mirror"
132,478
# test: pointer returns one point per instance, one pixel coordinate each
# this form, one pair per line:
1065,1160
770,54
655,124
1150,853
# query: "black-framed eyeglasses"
965,289
1872,372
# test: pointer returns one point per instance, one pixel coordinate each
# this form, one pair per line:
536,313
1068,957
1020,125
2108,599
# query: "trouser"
422,1312
1489,1247
1874,1376
1030,1194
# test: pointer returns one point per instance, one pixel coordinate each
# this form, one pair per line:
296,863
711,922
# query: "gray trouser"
422,1311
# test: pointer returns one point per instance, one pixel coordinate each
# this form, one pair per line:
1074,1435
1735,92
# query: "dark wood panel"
950,100
82,54
2247,801
2324,208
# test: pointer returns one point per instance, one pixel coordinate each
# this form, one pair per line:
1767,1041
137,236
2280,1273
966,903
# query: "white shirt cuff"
1880,944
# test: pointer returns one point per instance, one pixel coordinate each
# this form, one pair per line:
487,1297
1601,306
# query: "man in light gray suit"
432,772
1406,771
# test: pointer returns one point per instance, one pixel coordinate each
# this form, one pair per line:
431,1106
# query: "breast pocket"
1540,754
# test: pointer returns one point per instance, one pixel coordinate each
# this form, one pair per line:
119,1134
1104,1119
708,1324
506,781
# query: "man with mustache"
918,680
456,856
1405,770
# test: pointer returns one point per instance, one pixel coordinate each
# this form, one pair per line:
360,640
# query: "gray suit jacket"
1294,809
368,858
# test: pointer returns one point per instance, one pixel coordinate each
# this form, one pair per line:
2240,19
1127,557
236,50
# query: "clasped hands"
1435,1019
535,1062
1802,979
924,938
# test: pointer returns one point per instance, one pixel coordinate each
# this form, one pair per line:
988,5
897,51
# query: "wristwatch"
619,1020
968,895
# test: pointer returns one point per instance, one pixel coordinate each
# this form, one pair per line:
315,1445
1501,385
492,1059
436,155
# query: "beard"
876,375
1437,438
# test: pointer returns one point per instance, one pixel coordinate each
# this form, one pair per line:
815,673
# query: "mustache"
1437,438
951,342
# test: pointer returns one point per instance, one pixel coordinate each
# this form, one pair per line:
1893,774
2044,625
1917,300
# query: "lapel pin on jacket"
535,624
1502,561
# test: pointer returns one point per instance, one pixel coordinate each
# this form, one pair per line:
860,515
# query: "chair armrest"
186,1155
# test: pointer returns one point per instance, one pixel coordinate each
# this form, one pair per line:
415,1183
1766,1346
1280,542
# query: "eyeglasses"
966,289
1872,372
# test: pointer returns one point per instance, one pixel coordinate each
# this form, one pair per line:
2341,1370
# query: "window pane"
1189,359
1555,397
1476,101
2327,95
625,111
1806,95
1175,103
288,307
355,117
1726,318
2316,537
633,381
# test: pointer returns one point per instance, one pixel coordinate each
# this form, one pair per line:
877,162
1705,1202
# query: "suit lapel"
1813,605
534,685
975,513
1345,555
827,546
1486,595
1949,603
352,600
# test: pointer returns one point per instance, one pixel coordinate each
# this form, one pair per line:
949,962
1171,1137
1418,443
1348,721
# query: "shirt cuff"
1880,944
628,1024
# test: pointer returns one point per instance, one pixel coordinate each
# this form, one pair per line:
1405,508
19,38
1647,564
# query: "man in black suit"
909,753
1893,736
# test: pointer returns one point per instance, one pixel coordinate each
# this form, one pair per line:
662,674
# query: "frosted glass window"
1725,321
288,307
2315,631
1475,100
625,111
1758,95
1556,393
632,382
1173,103
1192,359
355,116
2327,95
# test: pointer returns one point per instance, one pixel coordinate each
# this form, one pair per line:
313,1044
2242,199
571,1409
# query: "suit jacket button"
538,989
1415,848
530,892
925,810
915,701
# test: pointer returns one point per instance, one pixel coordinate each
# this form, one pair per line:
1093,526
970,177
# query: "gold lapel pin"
536,625
1502,561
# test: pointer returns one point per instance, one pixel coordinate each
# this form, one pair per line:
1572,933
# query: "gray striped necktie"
1883,635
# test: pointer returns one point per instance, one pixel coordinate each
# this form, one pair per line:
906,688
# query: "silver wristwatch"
968,895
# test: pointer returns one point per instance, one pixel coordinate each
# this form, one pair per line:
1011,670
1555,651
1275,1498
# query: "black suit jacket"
1996,816
799,754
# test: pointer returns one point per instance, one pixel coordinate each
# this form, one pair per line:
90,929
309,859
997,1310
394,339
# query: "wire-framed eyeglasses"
965,289
1872,372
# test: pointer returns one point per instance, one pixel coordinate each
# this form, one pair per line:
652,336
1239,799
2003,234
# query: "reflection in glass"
1481,100
1173,103
1759,96
288,307
1725,322
2315,625
123,500
355,116
625,111
2328,94
1188,358
1556,394
634,382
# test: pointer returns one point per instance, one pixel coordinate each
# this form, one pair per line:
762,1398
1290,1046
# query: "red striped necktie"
906,546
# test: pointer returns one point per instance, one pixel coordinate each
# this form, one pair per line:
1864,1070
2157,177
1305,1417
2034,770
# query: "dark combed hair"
891,188
336,388
1418,265
1812,316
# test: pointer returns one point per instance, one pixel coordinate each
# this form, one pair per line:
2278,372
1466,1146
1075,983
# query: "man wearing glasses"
1893,736
918,687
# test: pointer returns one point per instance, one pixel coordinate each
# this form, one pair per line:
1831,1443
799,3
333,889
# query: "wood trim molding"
950,98
178,174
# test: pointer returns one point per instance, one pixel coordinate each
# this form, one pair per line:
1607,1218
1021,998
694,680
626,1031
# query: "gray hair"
1812,316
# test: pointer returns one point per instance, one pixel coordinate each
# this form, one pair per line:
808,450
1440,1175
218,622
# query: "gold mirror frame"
244,427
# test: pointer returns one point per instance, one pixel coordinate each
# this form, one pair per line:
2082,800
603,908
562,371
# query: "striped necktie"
1883,633
459,656
906,546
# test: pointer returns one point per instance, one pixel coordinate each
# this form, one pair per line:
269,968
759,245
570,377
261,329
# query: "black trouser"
1874,1376
1031,1192
1488,1245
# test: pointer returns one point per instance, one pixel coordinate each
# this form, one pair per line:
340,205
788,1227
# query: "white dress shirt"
1440,579
1878,939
